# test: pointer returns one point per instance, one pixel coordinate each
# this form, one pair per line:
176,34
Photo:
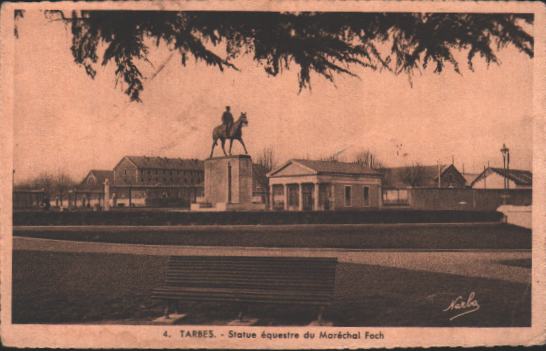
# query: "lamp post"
506,164
506,167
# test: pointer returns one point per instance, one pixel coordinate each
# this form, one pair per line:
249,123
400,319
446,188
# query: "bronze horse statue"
235,133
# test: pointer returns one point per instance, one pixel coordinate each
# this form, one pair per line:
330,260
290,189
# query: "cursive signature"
464,306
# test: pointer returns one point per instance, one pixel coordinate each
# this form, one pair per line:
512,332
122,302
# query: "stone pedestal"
228,185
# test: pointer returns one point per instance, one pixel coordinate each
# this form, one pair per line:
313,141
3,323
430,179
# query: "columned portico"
316,196
332,191
271,197
285,188
305,185
300,197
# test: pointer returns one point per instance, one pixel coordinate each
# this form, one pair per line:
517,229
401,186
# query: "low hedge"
165,217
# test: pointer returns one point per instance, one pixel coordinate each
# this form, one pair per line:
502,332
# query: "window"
125,172
293,195
348,195
365,196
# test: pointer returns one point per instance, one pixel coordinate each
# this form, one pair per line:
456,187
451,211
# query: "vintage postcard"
272,174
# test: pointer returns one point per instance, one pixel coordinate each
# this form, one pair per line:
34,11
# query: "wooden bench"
247,280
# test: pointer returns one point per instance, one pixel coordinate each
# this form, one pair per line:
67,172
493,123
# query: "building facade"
494,178
142,181
144,170
90,192
157,181
305,185
95,178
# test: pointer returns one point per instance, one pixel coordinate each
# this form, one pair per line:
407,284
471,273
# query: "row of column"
86,198
316,187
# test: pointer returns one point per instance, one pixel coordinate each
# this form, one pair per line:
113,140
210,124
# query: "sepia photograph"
272,175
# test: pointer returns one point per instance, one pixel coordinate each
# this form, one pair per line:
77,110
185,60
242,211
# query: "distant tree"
325,43
52,184
413,175
266,159
336,156
331,158
367,158
44,180
265,162
63,183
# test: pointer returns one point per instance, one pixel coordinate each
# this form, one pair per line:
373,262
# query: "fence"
466,199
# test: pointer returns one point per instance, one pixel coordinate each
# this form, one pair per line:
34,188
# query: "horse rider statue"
227,120
229,129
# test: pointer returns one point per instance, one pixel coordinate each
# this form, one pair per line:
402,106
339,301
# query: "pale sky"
66,121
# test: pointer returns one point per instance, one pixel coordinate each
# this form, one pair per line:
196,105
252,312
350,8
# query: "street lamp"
506,167
506,164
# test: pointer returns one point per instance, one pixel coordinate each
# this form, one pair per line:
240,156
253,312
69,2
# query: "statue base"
228,185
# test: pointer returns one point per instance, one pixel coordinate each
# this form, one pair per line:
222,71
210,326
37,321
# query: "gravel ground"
502,265
111,283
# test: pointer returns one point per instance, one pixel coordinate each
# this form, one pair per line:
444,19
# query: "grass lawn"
437,236
51,287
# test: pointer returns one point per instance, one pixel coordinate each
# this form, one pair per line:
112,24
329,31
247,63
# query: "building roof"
518,176
100,175
470,177
166,163
416,176
330,167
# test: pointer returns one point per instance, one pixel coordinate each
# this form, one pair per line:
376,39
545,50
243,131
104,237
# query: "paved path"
469,263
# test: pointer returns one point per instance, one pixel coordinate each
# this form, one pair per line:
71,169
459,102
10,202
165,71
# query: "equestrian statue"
229,130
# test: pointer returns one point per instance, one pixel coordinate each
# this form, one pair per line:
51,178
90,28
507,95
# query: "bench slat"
240,295
249,276
252,258
278,280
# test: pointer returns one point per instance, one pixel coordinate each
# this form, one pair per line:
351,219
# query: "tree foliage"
367,158
324,43
267,159
414,175
58,183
